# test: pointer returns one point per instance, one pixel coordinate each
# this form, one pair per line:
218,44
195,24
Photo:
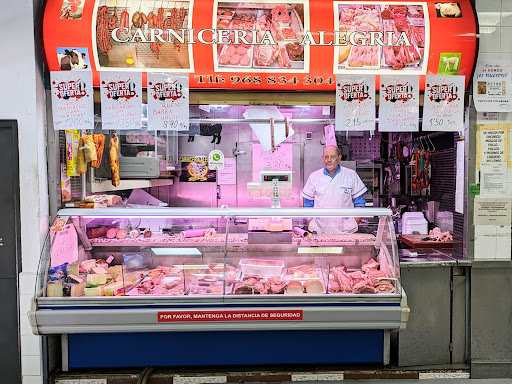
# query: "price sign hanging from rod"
399,104
443,108
121,100
72,100
355,103
168,102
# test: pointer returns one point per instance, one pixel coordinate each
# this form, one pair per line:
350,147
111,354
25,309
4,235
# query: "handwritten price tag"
72,100
443,108
355,103
121,100
168,102
399,104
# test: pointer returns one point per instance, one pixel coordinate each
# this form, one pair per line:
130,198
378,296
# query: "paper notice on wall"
399,104
492,87
492,211
493,179
443,108
72,100
492,144
227,176
168,102
121,100
355,102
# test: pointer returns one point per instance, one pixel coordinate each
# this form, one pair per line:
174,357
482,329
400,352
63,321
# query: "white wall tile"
30,345
25,328
32,379
27,283
25,301
506,39
507,56
506,18
489,18
506,5
487,57
31,365
488,5
490,39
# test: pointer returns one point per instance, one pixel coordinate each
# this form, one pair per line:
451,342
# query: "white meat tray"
134,291
261,270
321,272
379,58
249,52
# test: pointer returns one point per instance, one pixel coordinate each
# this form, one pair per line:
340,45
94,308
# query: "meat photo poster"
407,25
72,100
282,26
443,108
168,102
355,103
121,100
399,105
121,40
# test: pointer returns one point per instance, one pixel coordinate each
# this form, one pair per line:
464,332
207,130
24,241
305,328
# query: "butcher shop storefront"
229,174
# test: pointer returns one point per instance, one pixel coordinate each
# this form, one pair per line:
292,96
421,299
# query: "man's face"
331,159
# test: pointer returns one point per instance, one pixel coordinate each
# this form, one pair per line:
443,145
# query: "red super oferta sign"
300,45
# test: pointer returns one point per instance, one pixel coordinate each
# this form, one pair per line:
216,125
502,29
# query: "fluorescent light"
333,250
176,251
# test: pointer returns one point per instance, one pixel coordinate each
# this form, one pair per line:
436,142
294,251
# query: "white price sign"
443,108
121,100
355,103
72,100
168,102
399,106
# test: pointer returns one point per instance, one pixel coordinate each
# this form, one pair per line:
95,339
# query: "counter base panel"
171,349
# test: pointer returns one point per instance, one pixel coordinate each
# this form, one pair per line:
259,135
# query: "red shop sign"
255,315
301,45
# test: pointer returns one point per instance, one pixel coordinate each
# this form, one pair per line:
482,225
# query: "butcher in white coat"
333,186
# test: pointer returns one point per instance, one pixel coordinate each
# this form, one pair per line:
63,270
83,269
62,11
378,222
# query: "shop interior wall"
22,98
306,158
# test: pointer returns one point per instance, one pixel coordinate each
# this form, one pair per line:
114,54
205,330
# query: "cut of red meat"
245,60
230,50
241,51
235,59
224,59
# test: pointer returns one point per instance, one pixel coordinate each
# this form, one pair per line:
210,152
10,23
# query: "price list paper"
355,103
72,100
399,104
121,100
443,108
492,87
168,102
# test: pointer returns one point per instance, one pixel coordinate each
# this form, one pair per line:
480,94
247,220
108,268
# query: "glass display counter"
168,271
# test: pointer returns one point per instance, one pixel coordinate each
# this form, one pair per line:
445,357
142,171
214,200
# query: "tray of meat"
223,23
225,14
235,56
264,268
287,34
204,288
415,15
158,285
259,285
295,51
364,57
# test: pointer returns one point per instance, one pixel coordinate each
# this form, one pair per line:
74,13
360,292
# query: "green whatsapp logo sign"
216,157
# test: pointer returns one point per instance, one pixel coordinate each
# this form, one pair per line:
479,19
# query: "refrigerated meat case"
129,287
